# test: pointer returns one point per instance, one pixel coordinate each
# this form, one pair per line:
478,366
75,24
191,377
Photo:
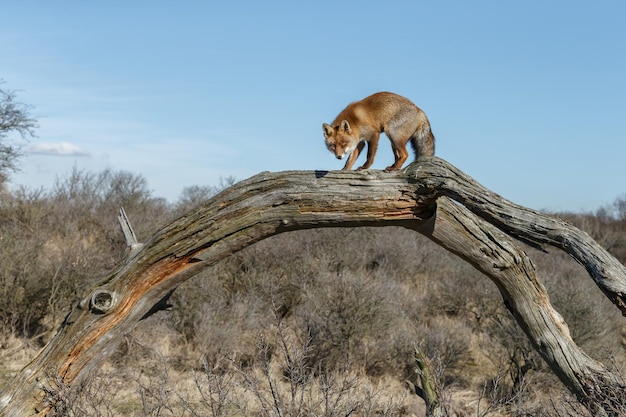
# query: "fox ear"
328,130
345,126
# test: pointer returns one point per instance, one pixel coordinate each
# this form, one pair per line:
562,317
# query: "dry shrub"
348,319
56,244
281,384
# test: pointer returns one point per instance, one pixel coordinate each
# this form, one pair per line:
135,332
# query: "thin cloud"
58,149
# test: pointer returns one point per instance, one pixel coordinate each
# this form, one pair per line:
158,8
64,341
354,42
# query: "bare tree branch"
14,117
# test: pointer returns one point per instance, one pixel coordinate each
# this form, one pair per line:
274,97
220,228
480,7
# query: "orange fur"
363,121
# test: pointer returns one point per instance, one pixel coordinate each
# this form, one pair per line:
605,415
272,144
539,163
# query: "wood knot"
101,301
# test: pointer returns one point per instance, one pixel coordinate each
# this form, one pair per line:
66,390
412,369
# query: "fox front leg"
353,156
372,146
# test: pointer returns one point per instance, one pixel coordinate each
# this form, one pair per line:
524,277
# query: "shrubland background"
309,323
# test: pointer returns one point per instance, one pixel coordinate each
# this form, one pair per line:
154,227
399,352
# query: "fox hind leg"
400,153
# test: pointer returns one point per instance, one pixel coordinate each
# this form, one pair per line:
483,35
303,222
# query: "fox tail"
423,141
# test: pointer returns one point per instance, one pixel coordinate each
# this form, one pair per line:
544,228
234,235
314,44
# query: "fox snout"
340,151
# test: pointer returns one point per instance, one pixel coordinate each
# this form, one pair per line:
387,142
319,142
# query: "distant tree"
194,195
14,117
619,206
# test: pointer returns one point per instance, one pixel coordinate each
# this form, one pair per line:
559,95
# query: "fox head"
340,140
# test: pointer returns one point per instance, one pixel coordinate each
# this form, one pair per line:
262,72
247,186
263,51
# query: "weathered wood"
429,386
527,225
492,252
272,203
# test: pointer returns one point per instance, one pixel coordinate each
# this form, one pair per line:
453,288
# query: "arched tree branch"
272,203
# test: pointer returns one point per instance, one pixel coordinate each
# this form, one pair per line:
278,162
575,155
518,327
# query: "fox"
363,121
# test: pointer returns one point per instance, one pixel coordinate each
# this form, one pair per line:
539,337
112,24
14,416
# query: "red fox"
363,121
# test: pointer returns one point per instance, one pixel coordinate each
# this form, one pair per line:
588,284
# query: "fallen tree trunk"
273,203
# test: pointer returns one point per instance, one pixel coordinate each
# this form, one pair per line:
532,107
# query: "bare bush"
216,389
346,317
286,384
56,244
93,398
194,195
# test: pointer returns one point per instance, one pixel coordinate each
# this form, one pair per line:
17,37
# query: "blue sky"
527,97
